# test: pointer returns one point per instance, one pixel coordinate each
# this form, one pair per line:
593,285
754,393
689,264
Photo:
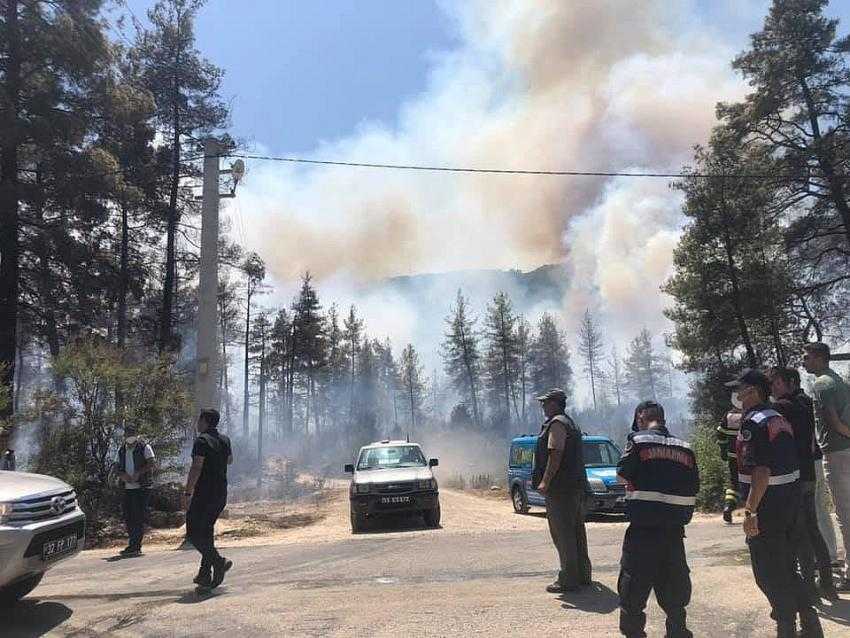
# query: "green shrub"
712,469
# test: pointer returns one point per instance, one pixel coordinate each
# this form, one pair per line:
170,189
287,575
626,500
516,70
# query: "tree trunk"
752,360
246,397
262,407
165,339
9,219
825,161
123,278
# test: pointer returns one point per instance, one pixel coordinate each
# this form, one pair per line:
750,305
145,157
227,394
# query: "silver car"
392,477
40,525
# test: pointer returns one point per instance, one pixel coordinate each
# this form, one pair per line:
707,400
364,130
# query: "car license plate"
395,500
60,546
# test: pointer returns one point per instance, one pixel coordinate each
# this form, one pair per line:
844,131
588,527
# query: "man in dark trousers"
559,475
206,496
662,481
810,547
135,466
769,475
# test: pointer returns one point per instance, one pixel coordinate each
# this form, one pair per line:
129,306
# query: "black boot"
204,577
786,629
826,584
727,512
810,624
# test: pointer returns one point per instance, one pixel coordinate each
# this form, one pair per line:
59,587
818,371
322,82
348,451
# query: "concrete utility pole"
206,386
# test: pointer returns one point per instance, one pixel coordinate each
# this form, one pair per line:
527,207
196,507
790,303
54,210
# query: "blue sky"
298,71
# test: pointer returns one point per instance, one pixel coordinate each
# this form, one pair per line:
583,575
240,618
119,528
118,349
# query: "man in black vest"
206,496
769,472
135,470
662,481
559,475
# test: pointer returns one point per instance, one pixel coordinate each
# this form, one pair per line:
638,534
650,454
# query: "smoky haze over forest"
514,93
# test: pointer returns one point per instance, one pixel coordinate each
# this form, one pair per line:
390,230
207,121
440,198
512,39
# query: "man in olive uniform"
559,475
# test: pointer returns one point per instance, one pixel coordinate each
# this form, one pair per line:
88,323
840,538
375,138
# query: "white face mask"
736,401
131,440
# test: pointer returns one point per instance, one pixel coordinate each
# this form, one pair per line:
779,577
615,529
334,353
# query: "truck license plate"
60,546
395,500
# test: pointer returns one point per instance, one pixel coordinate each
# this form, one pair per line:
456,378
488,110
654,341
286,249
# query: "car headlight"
361,488
5,512
428,484
597,485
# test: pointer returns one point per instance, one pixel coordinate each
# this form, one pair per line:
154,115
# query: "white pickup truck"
40,525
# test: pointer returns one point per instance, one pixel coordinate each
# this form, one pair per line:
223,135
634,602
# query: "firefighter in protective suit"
662,481
727,433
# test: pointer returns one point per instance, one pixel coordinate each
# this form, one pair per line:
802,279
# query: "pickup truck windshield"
379,458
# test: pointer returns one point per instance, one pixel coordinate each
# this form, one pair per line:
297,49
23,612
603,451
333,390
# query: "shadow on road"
396,523
116,596
597,599
32,617
838,612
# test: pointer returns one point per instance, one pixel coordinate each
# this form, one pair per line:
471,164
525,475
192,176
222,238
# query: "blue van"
600,462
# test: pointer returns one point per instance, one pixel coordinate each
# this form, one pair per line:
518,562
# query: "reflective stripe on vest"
779,479
761,415
660,439
661,497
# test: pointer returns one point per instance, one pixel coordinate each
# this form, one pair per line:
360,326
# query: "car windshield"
600,454
379,458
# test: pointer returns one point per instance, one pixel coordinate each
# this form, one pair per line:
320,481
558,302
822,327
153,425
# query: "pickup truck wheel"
520,500
13,593
432,517
358,523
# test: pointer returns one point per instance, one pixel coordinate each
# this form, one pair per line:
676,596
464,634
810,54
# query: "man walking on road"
559,475
769,477
135,467
832,419
662,482
206,496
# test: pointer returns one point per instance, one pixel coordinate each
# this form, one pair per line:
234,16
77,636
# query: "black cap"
751,377
643,405
555,393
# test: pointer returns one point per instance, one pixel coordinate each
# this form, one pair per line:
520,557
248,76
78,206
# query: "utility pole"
206,384
206,388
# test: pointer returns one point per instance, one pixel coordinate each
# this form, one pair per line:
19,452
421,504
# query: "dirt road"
484,573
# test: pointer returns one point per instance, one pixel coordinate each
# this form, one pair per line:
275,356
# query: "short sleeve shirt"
831,391
557,436
131,466
215,448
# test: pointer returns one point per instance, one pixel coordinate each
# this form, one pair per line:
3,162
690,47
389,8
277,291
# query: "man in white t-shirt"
135,469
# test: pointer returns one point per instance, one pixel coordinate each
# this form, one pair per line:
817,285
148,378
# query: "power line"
504,171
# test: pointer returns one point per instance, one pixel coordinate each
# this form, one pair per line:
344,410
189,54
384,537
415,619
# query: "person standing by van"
135,469
559,475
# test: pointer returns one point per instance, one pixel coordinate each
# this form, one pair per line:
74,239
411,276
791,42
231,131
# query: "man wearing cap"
832,421
559,475
135,469
662,481
769,477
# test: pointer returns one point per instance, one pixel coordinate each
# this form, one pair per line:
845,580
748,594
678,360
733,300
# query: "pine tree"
185,89
522,372
351,339
259,348
412,385
644,368
280,345
52,55
254,271
615,374
228,315
461,355
500,359
550,358
591,348
309,347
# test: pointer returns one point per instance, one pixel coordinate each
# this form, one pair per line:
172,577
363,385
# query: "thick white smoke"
603,85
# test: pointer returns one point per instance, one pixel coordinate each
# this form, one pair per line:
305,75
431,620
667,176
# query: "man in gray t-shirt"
832,420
